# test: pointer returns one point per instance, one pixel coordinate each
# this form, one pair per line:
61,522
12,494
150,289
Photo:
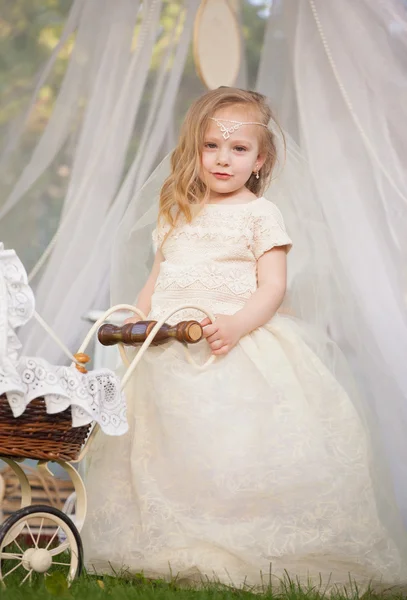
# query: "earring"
257,174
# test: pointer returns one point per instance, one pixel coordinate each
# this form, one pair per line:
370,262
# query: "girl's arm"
225,333
271,288
144,298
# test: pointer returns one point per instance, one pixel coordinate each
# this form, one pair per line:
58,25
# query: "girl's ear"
261,158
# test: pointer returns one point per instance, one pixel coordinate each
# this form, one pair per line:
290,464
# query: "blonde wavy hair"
184,187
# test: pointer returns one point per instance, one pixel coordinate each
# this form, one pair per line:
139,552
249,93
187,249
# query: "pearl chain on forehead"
227,131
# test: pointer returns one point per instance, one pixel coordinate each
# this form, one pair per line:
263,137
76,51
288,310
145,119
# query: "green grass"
128,587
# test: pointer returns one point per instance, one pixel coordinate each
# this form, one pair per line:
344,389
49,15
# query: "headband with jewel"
227,131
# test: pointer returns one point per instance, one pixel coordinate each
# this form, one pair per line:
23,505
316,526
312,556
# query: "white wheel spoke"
13,569
18,546
58,563
11,556
31,535
26,577
52,539
39,532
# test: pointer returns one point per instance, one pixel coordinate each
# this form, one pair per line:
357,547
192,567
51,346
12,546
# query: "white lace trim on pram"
94,396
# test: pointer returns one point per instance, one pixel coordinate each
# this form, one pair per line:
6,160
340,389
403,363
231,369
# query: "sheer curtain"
336,74
98,104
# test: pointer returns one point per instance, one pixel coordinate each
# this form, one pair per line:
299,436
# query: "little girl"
257,466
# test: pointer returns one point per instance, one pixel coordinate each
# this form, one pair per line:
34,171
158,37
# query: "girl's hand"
134,319
222,335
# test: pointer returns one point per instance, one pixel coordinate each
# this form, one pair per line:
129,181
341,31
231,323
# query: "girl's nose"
223,157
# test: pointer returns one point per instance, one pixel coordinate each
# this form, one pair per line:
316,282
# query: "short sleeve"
268,229
159,235
157,239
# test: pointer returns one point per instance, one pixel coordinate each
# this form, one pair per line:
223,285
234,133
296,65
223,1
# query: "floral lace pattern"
95,396
16,301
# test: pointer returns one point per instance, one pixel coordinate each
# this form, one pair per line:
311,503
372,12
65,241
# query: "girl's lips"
221,175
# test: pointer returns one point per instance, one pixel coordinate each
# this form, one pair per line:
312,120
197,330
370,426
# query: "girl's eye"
210,145
240,148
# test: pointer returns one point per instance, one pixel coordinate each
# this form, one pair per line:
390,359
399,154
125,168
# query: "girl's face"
228,164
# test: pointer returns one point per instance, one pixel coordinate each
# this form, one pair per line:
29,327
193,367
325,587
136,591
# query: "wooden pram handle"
133,334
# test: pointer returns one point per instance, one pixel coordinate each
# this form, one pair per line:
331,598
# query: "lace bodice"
213,260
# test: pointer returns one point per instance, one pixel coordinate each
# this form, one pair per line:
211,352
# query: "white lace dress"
258,464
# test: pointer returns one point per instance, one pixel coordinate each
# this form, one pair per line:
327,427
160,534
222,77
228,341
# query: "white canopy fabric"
336,75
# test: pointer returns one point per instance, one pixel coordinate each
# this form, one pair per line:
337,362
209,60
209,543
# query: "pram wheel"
38,541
